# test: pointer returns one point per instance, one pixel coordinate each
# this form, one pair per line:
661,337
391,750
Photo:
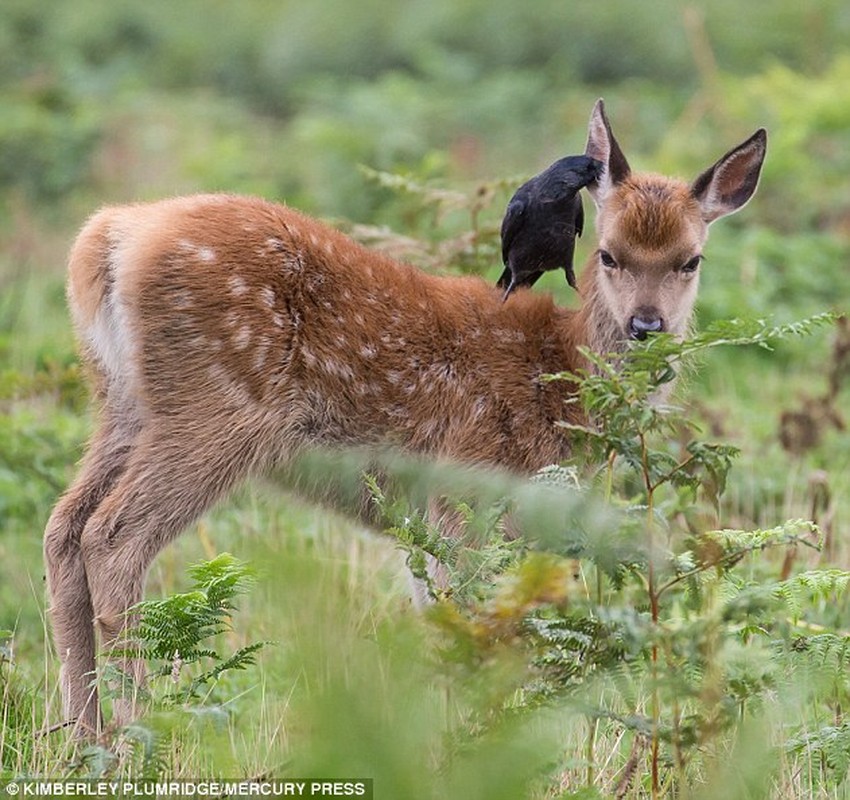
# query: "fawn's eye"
607,259
692,265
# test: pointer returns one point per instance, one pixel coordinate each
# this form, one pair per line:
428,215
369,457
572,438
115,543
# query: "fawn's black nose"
641,325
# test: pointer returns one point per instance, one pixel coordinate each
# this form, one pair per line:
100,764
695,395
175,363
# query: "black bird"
542,220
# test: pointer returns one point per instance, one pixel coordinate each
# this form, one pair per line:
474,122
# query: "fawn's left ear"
602,146
730,183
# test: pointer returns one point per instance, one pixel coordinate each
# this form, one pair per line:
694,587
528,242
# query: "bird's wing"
553,191
511,224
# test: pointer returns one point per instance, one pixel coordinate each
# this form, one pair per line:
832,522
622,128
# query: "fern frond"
829,745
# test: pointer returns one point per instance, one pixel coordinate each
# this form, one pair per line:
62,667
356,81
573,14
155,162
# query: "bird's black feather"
542,220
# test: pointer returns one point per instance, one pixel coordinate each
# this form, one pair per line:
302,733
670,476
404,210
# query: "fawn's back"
245,318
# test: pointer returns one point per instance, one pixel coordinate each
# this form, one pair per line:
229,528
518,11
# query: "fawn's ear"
727,185
602,146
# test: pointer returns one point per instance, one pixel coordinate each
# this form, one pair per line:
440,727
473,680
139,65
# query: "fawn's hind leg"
169,481
69,599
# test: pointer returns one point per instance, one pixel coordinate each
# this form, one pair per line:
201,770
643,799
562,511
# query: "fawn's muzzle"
640,326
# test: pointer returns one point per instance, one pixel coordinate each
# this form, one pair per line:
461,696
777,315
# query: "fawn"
226,334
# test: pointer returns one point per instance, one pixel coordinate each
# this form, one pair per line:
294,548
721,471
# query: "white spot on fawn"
237,285
362,388
205,254
508,335
309,358
333,367
261,353
267,296
367,351
294,263
242,338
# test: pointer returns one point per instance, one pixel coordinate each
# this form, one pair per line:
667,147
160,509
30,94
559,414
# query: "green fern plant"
175,635
175,631
826,750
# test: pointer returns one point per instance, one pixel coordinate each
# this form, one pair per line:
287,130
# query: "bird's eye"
691,266
607,259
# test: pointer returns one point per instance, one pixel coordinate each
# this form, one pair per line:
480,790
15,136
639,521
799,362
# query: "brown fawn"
226,334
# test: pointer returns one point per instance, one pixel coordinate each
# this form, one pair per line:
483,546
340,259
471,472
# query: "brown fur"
226,334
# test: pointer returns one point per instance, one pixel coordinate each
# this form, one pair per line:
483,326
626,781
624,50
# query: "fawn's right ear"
602,146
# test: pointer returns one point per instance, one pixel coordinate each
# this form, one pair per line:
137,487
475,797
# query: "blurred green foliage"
457,89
